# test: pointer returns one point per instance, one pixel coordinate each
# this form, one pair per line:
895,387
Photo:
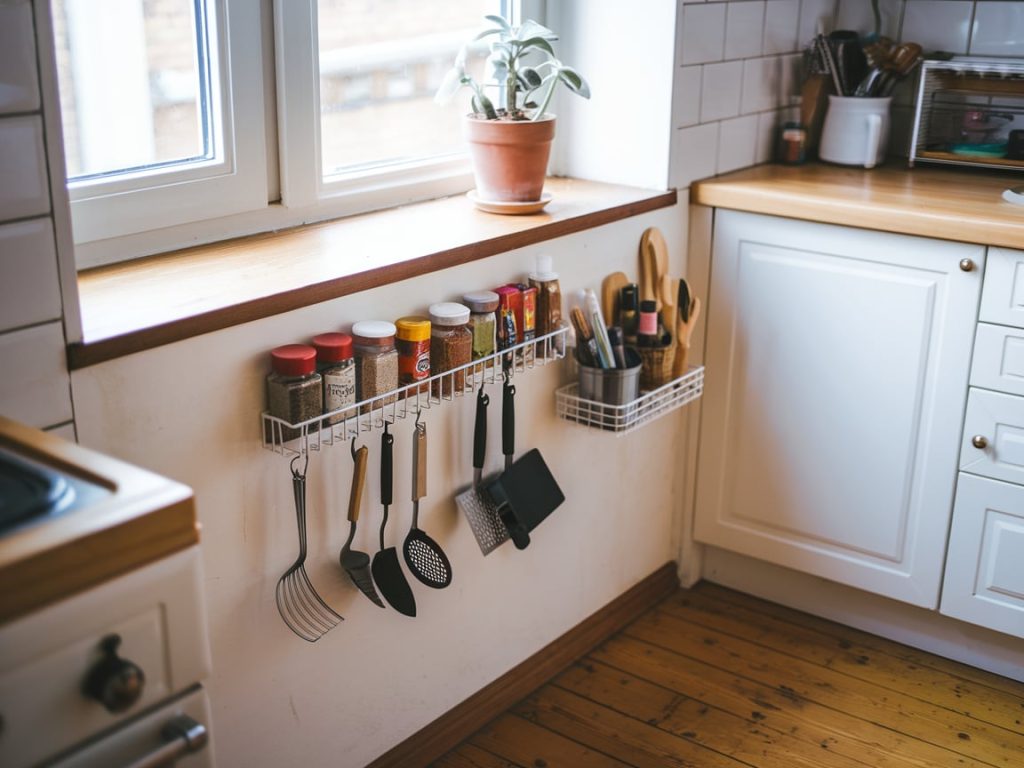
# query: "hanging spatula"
357,563
423,556
387,572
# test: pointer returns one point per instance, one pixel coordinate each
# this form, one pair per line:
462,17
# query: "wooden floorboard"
711,678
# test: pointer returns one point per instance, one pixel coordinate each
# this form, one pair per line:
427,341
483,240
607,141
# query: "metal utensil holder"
389,407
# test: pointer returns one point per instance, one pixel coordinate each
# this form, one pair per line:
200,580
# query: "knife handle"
480,429
355,494
386,457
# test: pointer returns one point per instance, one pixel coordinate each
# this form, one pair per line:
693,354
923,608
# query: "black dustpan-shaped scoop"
387,573
525,494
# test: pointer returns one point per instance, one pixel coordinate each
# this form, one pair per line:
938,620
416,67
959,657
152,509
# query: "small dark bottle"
629,316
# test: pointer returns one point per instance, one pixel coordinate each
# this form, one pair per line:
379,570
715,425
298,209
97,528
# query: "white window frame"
234,181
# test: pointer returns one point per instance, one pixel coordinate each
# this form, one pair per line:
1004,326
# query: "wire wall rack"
287,439
631,416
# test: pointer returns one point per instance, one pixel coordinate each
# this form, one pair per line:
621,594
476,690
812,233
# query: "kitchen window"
189,121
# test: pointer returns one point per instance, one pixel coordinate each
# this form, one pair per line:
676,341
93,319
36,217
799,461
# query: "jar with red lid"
413,343
294,388
376,360
337,368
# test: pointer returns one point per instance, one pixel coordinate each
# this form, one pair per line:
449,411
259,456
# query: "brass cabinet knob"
966,265
114,682
979,441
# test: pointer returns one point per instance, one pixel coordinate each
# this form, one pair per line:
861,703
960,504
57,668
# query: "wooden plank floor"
712,678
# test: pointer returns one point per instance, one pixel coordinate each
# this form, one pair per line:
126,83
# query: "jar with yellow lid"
413,343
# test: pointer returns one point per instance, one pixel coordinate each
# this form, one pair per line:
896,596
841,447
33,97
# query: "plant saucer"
509,208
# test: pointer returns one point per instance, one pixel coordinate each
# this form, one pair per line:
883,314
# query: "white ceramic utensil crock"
856,130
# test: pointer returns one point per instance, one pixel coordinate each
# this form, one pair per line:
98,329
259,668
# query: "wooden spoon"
684,331
611,287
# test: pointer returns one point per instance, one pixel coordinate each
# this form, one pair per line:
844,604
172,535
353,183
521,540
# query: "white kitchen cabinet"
1003,299
984,581
34,386
998,359
837,366
993,440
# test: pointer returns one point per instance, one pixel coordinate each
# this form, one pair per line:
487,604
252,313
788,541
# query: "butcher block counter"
962,205
135,518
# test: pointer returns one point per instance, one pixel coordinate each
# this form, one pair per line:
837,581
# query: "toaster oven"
970,111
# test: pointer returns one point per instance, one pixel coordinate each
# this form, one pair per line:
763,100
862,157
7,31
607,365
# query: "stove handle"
182,736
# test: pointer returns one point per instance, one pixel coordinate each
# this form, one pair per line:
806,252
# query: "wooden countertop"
963,204
145,518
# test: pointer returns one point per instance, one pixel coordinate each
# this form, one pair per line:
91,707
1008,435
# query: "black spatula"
387,573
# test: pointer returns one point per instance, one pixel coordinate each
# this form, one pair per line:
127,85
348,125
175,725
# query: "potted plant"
510,136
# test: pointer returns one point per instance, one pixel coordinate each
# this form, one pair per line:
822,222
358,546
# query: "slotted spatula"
474,503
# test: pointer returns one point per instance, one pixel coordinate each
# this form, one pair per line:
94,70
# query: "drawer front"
1002,299
984,581
998,421
24,189
28,260
998,359
19,91
35,387
45,656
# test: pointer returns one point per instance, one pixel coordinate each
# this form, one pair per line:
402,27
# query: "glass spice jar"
337,368
451,345
413,343
294,391
483,323
376,360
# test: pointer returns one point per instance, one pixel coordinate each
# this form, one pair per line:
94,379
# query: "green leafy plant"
524,84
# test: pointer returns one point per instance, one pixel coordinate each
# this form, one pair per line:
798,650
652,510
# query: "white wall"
190,410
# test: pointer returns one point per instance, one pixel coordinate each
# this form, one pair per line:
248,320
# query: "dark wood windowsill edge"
135,306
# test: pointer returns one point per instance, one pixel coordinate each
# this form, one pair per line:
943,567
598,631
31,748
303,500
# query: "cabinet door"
984,582
837,370
1003,300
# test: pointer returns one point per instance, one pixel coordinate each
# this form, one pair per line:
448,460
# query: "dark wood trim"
465,719
86,353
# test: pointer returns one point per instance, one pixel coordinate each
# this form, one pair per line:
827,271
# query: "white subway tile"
703,37
695,155
762,80
938,25
687,96
35,388
781,19
720,90
24,188
998,29
19,86
815,16
743,24
737,143
28,260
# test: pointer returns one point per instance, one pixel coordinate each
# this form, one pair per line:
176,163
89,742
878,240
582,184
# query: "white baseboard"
928,630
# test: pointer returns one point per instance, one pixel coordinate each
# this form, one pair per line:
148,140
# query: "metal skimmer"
302,609
424,556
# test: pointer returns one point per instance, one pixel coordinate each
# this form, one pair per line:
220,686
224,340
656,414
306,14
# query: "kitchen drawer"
996,421
28,260
984,580
19,89
45,656
1002,298
35,387
998,359
24,189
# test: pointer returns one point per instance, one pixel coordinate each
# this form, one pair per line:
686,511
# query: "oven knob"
114,682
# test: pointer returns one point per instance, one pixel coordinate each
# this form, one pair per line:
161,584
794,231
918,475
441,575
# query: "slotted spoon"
424,556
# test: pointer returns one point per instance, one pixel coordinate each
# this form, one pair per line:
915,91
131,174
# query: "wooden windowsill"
142,304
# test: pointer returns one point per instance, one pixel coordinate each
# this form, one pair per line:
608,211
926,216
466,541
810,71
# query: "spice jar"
483,323
413,350
337,368
549,300
376,360
451,345
294,391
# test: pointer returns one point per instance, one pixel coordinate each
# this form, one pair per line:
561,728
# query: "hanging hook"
419,413
352,449
295,472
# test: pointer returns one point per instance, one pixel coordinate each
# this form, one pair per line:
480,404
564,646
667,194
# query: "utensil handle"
480,430
508,420
419,462
355,494
387,442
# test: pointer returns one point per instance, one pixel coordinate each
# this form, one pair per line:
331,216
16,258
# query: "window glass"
380,64
134,84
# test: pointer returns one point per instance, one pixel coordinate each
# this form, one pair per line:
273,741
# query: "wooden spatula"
610,288
683,333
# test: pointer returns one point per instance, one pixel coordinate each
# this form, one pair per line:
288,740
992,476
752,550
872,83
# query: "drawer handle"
182,736
979,441
966,265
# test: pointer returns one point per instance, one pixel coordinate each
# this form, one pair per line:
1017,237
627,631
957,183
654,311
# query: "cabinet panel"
28,261
984,582
998,359
999,419
837,373
35,387
19,88
1003,298
24,190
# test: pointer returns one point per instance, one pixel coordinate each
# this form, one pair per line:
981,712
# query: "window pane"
132,84
380,63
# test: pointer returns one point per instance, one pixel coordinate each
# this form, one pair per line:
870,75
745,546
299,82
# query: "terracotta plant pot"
510,158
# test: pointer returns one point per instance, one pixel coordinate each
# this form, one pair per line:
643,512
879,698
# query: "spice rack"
389,407
622,419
